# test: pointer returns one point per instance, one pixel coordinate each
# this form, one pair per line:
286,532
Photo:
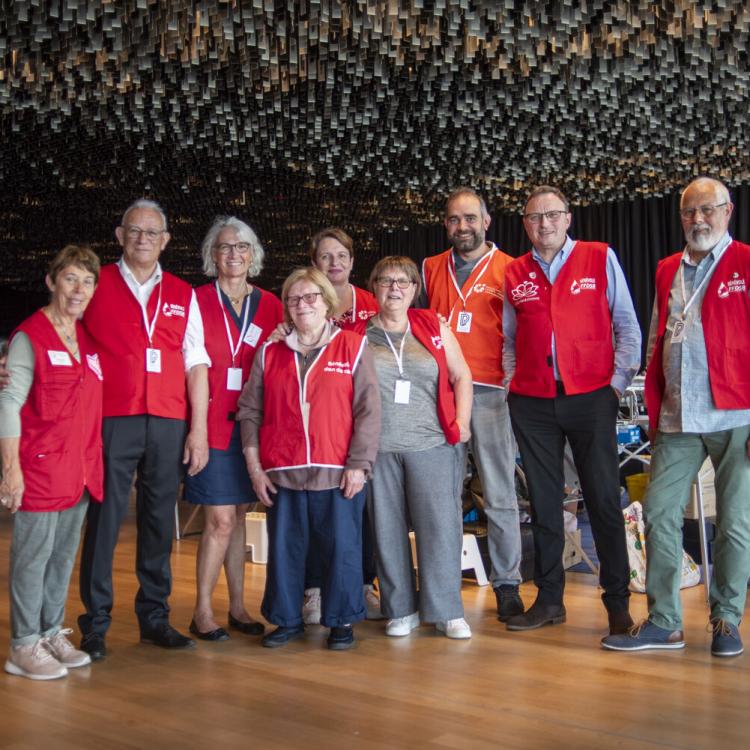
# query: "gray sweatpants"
418,488
42,554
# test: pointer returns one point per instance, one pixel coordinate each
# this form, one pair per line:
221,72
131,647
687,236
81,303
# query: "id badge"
401,392
463,324
153,360
59,358
234,378
252,335
678,332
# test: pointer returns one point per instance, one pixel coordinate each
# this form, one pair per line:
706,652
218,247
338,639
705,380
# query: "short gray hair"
244,234
150,205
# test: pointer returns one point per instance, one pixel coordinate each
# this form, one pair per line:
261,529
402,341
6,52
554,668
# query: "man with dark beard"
698,400
465,284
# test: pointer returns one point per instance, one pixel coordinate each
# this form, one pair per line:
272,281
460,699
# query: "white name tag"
463,325
678,332
234,379
59,359
402,391
252,335
153,360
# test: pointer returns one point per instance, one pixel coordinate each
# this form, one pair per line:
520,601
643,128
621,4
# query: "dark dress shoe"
283,635
217,634
166,636
509,602
620,622
248,628
341,638
537,616
93,644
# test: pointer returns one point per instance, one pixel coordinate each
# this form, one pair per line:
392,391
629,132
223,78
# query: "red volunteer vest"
725,313
114,321
222,402
364,306
575,308
483,293
328,388
61,422
426,329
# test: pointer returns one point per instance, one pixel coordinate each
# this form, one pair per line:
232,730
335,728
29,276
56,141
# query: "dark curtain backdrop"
641,232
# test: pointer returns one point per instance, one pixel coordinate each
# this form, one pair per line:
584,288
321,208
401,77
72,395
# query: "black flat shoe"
537,616
218,634
248,628
341,638
283,635
167,637
93,644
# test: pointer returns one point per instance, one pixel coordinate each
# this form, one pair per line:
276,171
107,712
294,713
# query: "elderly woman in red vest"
51,447
332,252
426,392
237,318
310,422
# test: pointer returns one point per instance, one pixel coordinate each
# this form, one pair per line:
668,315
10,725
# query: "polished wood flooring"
549,688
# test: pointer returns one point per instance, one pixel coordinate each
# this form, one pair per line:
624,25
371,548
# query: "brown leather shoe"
536,616
619,622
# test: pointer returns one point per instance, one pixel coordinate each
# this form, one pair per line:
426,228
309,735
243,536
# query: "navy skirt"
224,480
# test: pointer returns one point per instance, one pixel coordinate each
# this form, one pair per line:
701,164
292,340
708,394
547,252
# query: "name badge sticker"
59,358
678,332
252,335
234,378
153,360
464,322
401,392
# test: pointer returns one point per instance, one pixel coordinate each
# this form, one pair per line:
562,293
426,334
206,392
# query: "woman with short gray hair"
237,318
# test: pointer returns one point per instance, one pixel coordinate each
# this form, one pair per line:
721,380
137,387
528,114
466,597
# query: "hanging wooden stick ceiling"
295,115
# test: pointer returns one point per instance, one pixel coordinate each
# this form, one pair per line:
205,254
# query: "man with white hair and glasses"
698,400
149,334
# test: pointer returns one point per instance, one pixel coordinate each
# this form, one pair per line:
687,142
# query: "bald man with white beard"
698,400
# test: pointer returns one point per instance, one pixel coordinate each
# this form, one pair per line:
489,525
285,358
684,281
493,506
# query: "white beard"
700,240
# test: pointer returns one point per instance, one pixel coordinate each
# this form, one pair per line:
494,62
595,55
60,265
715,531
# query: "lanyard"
399,356
697,291
150,326
451,272
233,348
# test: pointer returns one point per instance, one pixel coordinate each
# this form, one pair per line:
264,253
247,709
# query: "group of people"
349,413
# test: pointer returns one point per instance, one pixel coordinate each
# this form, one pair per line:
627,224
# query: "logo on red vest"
169,310
735,284
92,360
437,342
526,291
342,368
365,314
487,289
586,283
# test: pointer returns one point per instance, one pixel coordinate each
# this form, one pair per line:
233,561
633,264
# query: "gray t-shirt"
414,426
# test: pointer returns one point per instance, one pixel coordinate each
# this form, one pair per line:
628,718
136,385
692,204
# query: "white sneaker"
311,607
458,628
372,602
34,661
65,652
402,625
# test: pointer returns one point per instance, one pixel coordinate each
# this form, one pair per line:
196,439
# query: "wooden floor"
549,688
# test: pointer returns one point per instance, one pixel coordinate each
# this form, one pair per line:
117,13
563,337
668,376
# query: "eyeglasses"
389,281
134,233
552,216
707,210
226,247
309,298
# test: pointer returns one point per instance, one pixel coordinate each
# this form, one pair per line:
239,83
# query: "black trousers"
153,447
588,421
